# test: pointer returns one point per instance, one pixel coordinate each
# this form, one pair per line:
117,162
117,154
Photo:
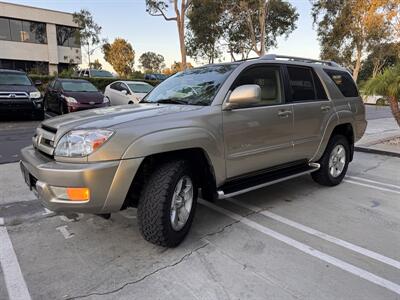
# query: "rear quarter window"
344,82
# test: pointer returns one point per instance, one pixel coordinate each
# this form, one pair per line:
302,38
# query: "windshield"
78,86
100,73
195,86
140,87
14,79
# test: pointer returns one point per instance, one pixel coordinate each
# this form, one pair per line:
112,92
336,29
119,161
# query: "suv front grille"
14,95
43,140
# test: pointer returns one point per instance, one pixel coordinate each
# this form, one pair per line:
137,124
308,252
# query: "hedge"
100,83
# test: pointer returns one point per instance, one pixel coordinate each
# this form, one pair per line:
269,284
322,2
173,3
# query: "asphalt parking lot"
293,240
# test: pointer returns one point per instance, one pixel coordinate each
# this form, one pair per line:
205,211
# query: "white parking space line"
64,231
308,249
47,212
14,280
372,186
373,181
371,254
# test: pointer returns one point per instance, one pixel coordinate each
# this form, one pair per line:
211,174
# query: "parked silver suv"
224,129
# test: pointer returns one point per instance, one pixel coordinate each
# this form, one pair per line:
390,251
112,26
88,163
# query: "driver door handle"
284,113
325,108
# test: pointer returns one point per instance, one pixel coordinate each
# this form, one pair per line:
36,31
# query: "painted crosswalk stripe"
14,280
308,249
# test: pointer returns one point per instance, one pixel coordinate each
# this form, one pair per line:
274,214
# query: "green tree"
387,84
259,23
381,56
151,62
241,26
96,65
160,8
120,55
347,28
89,32
205,29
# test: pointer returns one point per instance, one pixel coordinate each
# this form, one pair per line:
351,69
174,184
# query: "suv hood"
113,116
17,88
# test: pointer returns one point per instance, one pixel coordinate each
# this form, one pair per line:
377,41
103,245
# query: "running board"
231,190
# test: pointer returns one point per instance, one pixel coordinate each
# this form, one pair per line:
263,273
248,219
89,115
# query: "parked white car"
376,100
126,92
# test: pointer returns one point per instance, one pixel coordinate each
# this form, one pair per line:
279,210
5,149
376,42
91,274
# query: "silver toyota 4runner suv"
224,129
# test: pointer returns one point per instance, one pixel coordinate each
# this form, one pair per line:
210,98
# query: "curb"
376,151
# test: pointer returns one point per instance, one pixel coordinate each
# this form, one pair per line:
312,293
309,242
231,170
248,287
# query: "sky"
128,19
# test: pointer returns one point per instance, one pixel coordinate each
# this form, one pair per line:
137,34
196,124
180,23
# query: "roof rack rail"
301,59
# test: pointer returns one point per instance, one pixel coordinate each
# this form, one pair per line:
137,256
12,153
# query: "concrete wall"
23,51
65,54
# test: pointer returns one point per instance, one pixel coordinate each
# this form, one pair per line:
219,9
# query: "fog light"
78,194
71,193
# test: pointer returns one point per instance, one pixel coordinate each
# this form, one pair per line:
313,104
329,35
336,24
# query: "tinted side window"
124,87
51,85
301,83
57,85
268,78
115,86
319,88
344,82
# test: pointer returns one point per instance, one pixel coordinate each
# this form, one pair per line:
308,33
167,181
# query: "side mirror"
124,92
85,75
243,96
38,82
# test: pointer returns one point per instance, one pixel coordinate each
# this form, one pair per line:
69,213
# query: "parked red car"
69,95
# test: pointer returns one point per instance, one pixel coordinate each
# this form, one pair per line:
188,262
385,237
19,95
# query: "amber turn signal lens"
78,194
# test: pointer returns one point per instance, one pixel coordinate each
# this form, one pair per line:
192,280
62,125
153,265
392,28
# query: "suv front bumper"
108,181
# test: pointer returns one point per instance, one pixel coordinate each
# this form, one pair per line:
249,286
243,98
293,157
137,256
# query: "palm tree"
387,84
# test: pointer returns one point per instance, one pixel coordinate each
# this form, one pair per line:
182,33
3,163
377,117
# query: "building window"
31,67
68,36
22,31
16,30
5,33
34,32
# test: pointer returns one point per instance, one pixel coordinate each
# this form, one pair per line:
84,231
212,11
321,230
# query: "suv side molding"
247,184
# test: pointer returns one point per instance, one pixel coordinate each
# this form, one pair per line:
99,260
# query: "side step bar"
269,179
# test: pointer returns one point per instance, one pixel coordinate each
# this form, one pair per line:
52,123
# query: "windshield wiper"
172,101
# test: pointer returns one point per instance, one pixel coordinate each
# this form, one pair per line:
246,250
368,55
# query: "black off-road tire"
323,176
155,204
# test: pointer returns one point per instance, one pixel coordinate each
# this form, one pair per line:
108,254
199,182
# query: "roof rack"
301,59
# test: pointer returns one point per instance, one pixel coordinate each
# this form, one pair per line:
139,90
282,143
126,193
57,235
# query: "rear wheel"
167,204
334,162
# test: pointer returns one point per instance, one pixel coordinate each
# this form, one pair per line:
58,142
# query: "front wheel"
167,204
334,162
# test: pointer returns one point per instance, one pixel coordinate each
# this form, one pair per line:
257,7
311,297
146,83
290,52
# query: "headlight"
106,100
78,143
69,99
35,95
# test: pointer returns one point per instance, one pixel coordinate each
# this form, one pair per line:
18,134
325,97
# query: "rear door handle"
325,108
284,113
